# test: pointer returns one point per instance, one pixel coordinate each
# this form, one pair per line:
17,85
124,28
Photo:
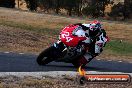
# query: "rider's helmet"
95,27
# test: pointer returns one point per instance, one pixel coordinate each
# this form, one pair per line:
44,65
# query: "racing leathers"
94,43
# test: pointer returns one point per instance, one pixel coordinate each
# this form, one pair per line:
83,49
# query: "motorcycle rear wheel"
77,63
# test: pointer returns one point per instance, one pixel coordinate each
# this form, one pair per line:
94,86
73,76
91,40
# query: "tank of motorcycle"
67,37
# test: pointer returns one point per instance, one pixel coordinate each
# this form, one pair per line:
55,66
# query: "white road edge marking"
6,52
98,59
109,60
21,53
119,61
54,73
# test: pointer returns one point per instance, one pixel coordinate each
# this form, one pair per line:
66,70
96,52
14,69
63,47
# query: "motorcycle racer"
77,44
95,39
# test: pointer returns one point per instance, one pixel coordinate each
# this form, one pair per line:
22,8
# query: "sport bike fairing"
72,35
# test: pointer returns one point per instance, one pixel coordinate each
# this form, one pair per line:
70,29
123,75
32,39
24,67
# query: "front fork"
65,55
60,48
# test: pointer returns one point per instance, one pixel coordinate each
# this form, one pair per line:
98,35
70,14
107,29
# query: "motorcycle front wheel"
45,56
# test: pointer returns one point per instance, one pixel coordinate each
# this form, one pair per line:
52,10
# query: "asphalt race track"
19,62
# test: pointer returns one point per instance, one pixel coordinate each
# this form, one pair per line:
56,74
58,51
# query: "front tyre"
45,56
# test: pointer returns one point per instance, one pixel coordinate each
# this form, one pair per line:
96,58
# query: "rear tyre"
79,62
45,56
76,64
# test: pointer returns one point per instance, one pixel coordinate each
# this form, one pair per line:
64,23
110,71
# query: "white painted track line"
109,60
98,59
120,61
21,53
6,52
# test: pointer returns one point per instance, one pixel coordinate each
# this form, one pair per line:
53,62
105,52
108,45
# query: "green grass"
121,48
114,46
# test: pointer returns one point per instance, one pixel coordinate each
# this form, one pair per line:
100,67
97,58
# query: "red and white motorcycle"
69,48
